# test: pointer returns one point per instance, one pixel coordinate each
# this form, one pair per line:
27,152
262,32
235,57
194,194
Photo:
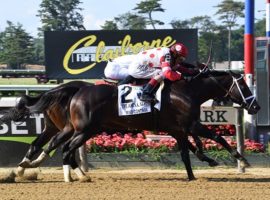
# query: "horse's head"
240,93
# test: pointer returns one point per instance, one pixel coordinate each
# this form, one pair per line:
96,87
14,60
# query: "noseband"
230,93
250,98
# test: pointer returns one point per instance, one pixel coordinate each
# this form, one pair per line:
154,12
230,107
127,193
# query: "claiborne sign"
84,54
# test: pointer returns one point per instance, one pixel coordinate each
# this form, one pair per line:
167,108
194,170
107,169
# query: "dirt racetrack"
218,183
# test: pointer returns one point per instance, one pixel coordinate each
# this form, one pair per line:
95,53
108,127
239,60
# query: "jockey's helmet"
179,49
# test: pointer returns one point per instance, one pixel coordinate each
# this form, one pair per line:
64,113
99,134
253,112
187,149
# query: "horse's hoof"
85,179
20,171
244,163
213,163
9,178
191,178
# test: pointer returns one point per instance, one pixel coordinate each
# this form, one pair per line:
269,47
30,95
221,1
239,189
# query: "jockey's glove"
187,78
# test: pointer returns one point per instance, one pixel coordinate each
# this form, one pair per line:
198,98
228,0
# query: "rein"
229,92
245,99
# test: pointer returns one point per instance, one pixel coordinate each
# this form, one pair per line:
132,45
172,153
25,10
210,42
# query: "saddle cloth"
129,102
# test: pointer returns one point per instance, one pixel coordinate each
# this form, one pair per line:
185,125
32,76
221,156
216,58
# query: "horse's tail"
28,105
19,112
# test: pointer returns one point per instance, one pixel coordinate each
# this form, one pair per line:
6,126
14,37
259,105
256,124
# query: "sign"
218,115
84,54
29,127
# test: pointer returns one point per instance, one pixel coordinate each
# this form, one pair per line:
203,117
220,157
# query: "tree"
260,28
203,23
109,25
180,24
126,21
131,21
16,46
38,51
148,7
60,15
229,11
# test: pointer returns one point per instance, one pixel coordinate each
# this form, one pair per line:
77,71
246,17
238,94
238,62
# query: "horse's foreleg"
199,150
207,133
185,156
201,156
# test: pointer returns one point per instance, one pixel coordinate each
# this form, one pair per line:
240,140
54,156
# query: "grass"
18,81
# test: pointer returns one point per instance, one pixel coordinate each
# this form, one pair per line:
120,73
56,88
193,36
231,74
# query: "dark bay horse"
55,116
196,127
94,109
55,107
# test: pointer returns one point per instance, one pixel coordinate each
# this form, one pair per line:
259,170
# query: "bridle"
245,100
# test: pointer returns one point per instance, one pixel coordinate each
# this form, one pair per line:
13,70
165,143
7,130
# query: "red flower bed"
225,130
118,142
127,142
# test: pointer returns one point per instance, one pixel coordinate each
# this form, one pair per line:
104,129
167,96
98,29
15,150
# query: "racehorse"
55,117
55,108
94,109
197,127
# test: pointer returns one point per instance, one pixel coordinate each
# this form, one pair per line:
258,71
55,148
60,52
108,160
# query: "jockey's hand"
201,66
205,70
187,78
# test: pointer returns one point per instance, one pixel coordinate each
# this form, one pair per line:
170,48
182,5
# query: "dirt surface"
147,184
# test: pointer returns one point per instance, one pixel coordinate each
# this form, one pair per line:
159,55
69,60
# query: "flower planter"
122,160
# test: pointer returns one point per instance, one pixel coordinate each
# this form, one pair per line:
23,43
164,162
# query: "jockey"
154,64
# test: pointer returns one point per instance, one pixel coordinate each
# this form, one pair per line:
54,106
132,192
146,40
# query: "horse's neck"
208,88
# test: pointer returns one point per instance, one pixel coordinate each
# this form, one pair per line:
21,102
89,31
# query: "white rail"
26,88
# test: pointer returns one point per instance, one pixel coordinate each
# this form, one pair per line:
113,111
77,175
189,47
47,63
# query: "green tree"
126,21
109,25
148,7
60,15
16,46
131,21
260,29
180,24
38,51
229,11
203,23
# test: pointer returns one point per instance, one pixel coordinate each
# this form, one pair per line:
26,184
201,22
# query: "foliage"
127,21
60,15
109,25
260,28
38,57
131,21
148,7
16,46
229,11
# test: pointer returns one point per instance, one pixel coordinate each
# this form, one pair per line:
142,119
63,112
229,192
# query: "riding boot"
148,91
128,79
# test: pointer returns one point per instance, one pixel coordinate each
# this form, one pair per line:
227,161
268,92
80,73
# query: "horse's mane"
223,72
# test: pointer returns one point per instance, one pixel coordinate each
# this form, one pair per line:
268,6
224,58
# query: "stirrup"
148,97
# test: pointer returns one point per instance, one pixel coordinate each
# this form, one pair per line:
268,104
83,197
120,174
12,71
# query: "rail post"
239,137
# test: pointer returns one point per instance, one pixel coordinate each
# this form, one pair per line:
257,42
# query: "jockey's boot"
128,79
148,91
